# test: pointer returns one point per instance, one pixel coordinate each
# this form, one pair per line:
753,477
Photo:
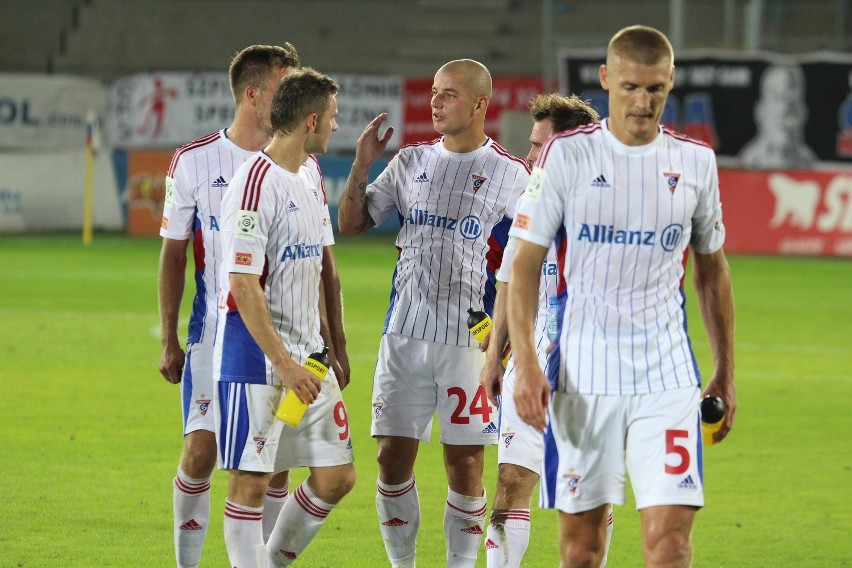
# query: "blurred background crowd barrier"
767,84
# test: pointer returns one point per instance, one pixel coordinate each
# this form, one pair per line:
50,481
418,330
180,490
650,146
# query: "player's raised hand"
532,394
370,146
171,363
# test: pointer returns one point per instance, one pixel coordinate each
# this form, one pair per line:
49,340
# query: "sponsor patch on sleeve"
164,224
242,258
170,191
246,225
521,221
533,192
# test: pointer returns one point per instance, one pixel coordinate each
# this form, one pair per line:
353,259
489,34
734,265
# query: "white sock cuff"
388,490
191,485
465,506
310,503
243,512
278,493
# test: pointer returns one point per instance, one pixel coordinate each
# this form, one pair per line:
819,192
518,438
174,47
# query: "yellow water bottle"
479,323
292,409
712,417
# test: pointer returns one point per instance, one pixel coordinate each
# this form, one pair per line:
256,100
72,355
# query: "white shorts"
250,438
415,377
654,438
197,389
520,444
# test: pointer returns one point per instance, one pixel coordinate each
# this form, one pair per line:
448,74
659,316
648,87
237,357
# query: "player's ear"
603,78
252,95
312,121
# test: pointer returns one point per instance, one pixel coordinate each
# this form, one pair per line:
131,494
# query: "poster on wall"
48,112
758,111
167,110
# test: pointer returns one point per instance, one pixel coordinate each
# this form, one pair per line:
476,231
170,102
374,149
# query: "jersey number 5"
672,447
479,405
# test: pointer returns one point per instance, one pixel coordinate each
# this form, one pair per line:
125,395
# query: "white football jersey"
273,225
196,180
448,206
621,219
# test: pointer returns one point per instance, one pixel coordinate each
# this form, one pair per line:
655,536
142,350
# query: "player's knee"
333,488
516,480
394,467
576,554
199,455
670,548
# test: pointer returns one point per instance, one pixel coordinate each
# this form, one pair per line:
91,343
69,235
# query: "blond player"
623,201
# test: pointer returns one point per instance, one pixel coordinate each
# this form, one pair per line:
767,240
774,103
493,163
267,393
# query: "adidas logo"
475,529
220,182
395,522
600,181
422,178
292,207
190,525
489,544
687,483
490,429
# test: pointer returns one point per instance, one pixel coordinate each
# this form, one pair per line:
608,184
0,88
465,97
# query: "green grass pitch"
89,431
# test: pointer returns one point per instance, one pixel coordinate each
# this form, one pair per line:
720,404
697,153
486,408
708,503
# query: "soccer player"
449,194
273,234
197,178
521,448
622,200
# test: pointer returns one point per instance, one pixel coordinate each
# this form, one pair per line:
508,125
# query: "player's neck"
248,137
288,152
465,142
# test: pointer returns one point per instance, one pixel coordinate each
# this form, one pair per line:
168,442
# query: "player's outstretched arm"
251,302
170,282
532,391
353,217
712,278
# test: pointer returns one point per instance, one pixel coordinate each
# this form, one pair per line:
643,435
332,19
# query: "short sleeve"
381,194
245,231
179,207
708,231
541,208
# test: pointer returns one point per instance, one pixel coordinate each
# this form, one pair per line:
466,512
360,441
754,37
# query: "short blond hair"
476,77
641,44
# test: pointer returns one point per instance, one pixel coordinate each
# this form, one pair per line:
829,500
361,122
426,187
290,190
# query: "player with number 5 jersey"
624,201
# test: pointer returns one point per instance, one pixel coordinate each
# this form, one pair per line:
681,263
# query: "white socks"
191,498
464,518
272,504
243,534
299,521
399,520
507,538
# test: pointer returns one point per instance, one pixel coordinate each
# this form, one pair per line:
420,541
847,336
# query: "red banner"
508,93
790,212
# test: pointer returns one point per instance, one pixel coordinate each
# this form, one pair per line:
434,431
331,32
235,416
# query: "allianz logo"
669,238
470,227
300,251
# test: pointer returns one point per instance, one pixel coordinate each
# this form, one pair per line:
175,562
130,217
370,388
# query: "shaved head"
475,76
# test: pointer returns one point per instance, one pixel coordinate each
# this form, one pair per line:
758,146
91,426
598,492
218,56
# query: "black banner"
758,111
